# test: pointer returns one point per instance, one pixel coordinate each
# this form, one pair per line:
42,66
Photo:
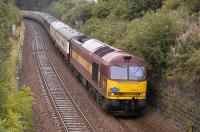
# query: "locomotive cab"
126,84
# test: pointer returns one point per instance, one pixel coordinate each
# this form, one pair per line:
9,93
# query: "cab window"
127,73
120,73
136,73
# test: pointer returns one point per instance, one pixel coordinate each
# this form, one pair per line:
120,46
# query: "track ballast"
69,113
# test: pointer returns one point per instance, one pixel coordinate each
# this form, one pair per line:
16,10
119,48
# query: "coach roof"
50,19
68,32
57,24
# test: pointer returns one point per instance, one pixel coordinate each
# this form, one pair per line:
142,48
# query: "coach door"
95,72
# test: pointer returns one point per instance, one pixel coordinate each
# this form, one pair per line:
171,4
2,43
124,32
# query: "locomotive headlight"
112,94
142,94
114,91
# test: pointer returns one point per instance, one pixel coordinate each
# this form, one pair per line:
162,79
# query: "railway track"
66,108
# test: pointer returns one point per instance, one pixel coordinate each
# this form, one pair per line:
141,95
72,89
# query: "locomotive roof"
93,45
99,48
119,57
106,52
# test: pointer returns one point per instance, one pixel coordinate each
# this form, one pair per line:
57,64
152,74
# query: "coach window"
63,44
58,38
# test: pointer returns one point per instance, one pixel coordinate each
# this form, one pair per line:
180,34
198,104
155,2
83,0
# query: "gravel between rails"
29,76
69,113
152,121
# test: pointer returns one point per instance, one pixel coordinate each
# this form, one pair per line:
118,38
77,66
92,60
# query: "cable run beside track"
69,113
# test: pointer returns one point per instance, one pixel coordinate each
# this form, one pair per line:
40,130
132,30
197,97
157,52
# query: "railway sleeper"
67,109
66,102
69,113
75,127
65,106
71,116
76,123
73,121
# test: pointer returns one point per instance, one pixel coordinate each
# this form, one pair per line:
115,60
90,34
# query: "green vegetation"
18,112
151,37
191,5
9,16
185,63
72,12
32,4
146,28
15,106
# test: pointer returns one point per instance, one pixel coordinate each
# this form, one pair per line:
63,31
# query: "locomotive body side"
84,62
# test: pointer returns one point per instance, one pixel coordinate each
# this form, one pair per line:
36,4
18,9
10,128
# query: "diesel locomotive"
118,80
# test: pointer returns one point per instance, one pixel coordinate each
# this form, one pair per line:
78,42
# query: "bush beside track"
16,106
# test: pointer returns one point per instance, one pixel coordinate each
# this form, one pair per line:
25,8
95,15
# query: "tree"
130,9
32,4
151,38
101,10
79,14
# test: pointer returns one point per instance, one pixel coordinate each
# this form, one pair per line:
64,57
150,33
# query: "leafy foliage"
60,8
173,4
117,9
4,50
194,5
4,20
79,14
102,9
4,90
193,67
105,30
185,60
191,5
9,15
19,111
75,13
32,4
151,38
129,9
15,106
